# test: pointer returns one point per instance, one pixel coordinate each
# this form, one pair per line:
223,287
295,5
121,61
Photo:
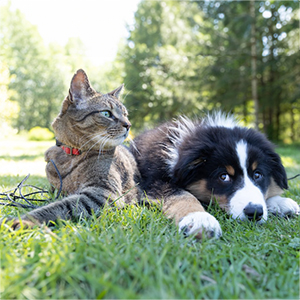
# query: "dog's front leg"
282,207
190,215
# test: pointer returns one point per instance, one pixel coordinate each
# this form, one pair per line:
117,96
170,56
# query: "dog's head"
235,166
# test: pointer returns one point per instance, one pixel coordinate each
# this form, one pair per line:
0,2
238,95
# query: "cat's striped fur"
95,124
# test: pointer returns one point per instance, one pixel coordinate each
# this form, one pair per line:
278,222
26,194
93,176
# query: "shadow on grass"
11,181
21,157
35,190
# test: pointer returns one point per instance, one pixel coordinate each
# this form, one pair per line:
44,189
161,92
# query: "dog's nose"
254,212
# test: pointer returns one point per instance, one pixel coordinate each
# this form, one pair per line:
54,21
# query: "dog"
187,164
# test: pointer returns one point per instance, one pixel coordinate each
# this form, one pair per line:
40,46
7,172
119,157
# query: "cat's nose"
127,125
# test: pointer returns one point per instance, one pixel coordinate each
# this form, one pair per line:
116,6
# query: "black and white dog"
188,163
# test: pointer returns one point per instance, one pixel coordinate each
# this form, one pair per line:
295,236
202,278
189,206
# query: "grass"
137,253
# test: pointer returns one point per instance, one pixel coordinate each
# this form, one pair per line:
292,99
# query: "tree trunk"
254,64
277,127
293,132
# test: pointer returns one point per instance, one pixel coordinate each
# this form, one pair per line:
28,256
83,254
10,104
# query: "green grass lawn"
137,253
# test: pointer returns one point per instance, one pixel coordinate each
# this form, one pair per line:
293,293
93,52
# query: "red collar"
70,150
74,151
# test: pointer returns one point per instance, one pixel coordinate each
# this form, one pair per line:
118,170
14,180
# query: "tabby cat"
94,166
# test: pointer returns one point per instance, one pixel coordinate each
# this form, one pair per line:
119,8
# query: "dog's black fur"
178,156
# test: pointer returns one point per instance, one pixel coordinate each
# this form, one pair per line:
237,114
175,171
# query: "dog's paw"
200,224
282,206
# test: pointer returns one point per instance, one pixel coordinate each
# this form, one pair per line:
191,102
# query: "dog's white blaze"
241,150
249,192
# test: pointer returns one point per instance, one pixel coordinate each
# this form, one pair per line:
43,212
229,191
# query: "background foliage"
180,57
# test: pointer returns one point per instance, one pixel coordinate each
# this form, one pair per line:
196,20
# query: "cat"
95,168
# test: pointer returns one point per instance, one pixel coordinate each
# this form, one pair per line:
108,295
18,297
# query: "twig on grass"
294,177
16,198
11,197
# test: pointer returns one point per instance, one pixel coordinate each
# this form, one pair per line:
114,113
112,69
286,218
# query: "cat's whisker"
97,138
132,143
88,141
104,142
87,137
91,148
126,95
93,136
102,137
102,145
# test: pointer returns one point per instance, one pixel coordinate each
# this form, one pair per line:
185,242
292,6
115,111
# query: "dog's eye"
106,113
257,175
225,177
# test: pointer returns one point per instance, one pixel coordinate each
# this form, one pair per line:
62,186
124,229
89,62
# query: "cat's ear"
65,105
80,88
116,93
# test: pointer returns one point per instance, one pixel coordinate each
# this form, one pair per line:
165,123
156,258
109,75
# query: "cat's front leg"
90,200
17,223
59,170
53,167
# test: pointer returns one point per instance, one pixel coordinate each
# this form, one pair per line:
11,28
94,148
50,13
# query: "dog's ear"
196,162
188,167
271,158
278,171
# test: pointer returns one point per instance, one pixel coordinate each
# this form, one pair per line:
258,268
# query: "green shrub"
40,134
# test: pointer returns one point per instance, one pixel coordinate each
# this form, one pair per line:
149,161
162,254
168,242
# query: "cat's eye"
106,113
225,177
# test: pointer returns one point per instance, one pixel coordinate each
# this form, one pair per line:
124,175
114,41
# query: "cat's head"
90,120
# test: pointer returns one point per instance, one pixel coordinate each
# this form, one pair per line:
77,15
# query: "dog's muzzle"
254,212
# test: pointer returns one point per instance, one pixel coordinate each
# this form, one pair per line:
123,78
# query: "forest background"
180,57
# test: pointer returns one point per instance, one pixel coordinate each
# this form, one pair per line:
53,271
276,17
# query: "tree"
232,37
37,84
9,109
240,56
254,63
162,72
39,75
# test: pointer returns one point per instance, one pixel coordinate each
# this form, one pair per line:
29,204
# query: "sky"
100,24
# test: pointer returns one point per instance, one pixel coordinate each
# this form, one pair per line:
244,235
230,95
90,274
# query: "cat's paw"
282,206
200,224
26,224
16,224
